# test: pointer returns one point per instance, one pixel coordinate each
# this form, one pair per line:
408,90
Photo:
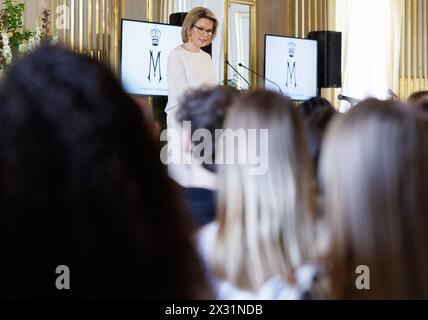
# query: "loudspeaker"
329,58
177,19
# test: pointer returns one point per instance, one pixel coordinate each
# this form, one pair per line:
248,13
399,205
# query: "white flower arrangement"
15,40
34,41
6,50
55,39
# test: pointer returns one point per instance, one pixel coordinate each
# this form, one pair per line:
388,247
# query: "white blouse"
187,70
275,288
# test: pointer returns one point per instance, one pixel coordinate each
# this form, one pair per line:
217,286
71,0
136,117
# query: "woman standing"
188,68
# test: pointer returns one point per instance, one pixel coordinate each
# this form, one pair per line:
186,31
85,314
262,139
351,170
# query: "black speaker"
329,58
177,19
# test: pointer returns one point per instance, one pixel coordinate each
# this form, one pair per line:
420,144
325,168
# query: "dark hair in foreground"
374,169
82,186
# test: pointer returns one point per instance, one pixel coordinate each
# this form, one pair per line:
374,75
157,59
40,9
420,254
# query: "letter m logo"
291,74
155,65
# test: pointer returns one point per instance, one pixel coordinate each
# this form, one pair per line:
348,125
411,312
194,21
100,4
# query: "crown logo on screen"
291,49
155,34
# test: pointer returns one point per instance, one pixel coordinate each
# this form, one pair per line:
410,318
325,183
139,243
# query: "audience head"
82,186
265,219
419,102
308,107
316,126
206,109
374,172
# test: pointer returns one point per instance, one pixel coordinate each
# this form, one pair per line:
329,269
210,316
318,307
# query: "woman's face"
201,32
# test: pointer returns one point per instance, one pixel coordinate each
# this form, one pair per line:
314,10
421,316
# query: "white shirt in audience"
275,288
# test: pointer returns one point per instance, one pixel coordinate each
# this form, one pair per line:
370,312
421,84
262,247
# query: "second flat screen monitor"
291,65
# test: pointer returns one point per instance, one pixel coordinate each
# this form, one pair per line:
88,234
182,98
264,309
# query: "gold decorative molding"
92,27
150,10
253,35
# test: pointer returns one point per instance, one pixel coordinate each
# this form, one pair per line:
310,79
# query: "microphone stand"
237,72
350,100
264,78
393,95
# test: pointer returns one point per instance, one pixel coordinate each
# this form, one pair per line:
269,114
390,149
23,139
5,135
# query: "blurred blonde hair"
374,171
266,222
193,16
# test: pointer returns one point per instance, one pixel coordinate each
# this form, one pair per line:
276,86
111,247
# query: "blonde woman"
264,238
189,67
374,170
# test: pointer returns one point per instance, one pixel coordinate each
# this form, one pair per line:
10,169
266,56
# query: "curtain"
371,37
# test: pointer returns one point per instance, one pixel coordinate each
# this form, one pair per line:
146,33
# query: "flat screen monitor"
291,66
145,48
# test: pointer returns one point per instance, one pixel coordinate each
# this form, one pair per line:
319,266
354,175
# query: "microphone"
351,100
249,86
264,78
393,95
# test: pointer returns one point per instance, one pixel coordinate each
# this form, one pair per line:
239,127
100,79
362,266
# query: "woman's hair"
193,16
374,172
316,125
206,109
308,107
82,186
419,101
266,219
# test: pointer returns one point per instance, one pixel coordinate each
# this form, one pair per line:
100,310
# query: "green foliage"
13,13
15,40
12,31
11,22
